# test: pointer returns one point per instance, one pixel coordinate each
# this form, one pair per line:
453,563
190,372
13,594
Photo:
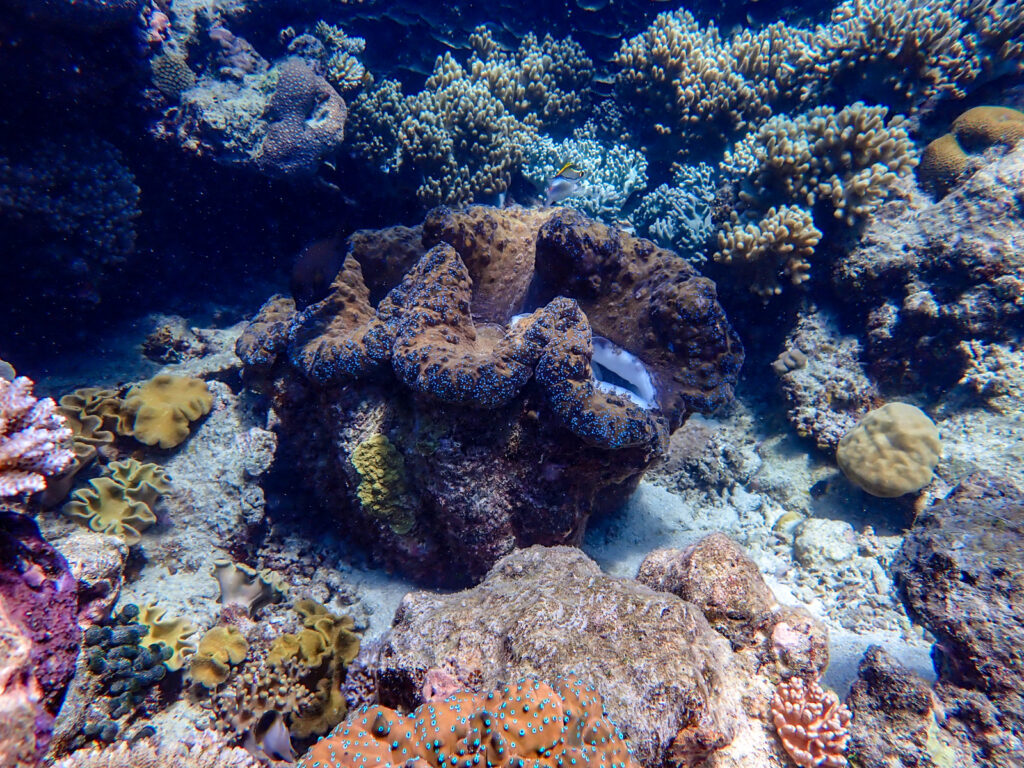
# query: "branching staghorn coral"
849,159
463,133
692,81
34,439
695,84
344,71
778,245
902,51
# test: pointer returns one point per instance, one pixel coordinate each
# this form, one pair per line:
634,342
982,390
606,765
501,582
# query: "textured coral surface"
557,725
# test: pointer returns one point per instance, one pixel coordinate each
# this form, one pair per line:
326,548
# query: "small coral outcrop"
34,439
121,502
891,451
557,724
164,406
812,723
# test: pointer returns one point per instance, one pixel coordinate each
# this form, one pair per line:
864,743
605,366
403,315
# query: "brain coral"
891,451
578,340
947,159
528,722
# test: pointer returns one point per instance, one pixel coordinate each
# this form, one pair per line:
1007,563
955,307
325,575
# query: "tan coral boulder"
668,680
892,451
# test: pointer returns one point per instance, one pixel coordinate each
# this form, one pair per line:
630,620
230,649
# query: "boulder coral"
949,158
891,451
570,334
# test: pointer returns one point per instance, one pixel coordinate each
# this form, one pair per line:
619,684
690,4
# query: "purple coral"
33,438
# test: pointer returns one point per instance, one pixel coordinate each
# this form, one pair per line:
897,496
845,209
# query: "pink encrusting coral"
34,439
811,723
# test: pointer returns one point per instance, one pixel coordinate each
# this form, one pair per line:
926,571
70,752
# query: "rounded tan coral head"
893,450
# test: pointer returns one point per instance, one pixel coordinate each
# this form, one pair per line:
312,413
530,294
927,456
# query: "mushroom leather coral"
526,723
164,406
122,502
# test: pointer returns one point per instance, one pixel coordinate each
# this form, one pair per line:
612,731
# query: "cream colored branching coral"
913,50
696,84
811,723
692,80
778,245
462,135
850,158
34,439
845,162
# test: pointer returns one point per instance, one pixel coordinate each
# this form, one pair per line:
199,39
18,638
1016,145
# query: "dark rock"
39,636
927,275
895,717
717,576
960,573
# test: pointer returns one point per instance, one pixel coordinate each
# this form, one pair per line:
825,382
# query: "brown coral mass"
649,302
497,247
340,337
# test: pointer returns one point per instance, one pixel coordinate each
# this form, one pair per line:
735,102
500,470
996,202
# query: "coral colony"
511,385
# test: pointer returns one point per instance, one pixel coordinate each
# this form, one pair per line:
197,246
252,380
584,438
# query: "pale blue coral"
612,172
678,216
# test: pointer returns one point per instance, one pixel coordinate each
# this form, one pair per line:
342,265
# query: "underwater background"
606,383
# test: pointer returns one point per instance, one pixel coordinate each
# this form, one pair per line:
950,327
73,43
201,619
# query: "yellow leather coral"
891,451
173,633
122,502
164,406
218,648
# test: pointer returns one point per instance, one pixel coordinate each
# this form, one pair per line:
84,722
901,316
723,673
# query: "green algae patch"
382,490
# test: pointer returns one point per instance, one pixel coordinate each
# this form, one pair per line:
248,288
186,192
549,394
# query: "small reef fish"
563,183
